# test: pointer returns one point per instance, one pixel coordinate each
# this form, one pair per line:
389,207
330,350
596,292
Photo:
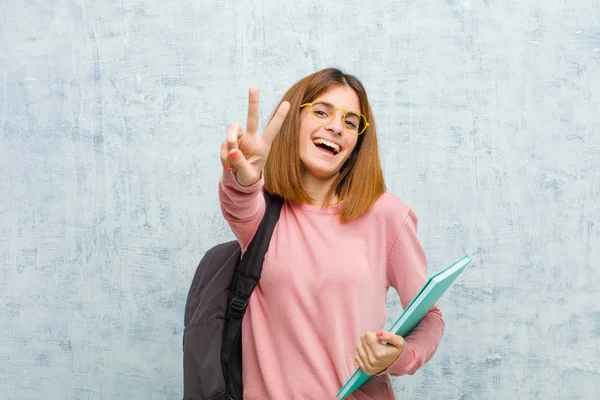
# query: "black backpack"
215,306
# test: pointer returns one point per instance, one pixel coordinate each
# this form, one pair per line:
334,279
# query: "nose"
336,125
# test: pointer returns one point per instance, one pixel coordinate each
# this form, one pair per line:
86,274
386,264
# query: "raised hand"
246,152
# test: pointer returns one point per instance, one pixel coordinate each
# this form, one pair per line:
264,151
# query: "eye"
352,121
322,111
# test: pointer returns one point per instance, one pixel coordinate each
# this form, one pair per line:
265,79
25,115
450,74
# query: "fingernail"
379,333
235,154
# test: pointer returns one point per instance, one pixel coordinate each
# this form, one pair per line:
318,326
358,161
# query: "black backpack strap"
247,276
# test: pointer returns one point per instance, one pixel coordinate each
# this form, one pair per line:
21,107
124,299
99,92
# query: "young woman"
341,241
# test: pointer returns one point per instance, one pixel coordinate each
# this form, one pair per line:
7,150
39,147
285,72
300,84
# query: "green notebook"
430,294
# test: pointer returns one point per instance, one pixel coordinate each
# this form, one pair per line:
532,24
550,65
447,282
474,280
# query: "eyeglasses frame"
335,109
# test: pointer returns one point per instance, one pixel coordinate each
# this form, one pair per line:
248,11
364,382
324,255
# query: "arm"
243,156
242,206
407,273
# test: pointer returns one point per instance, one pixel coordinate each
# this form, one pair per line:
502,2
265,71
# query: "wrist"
247,182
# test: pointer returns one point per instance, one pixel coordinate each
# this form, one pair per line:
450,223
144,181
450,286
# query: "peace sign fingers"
253,117
246,152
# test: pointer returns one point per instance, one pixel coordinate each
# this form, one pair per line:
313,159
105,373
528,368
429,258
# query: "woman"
340,242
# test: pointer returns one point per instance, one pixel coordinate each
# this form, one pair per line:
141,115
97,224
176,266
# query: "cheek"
351,143
304,132
303,137
304,142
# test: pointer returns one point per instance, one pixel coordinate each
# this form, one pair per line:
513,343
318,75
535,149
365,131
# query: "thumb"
390,338
245,174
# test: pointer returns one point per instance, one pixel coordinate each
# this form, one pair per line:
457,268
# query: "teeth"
335,147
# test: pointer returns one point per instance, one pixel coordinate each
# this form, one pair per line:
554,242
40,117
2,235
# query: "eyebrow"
330,103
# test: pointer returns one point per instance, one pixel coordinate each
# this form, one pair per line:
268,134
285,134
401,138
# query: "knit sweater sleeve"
407,273
242,206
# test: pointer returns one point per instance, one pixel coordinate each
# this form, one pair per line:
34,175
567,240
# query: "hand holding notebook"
378,350
429,295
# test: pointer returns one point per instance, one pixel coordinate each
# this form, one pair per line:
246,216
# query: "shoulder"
392,214
391,208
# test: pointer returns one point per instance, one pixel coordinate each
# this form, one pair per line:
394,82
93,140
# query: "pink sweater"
323,284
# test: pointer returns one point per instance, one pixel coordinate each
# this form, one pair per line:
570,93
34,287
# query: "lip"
312,140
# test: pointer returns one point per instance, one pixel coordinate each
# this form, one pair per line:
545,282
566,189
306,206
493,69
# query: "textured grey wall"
111,116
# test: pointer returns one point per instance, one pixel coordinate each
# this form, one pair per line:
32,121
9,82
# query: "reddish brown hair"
360,182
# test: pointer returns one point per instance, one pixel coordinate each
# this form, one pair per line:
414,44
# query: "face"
325,148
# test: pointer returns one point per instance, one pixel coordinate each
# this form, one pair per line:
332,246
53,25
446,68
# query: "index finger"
276,122
252,122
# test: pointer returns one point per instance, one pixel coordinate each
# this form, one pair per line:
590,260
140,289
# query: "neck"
317,188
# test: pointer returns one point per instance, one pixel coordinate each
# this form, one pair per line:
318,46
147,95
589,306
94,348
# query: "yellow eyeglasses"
323,112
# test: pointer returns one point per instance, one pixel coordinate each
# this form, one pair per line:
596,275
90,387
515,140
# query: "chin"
321,173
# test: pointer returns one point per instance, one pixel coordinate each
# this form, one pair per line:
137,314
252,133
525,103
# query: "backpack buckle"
237,306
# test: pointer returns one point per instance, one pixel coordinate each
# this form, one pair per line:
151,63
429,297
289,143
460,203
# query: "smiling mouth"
327,146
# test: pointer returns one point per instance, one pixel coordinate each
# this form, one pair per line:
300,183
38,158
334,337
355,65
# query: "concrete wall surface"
111,118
